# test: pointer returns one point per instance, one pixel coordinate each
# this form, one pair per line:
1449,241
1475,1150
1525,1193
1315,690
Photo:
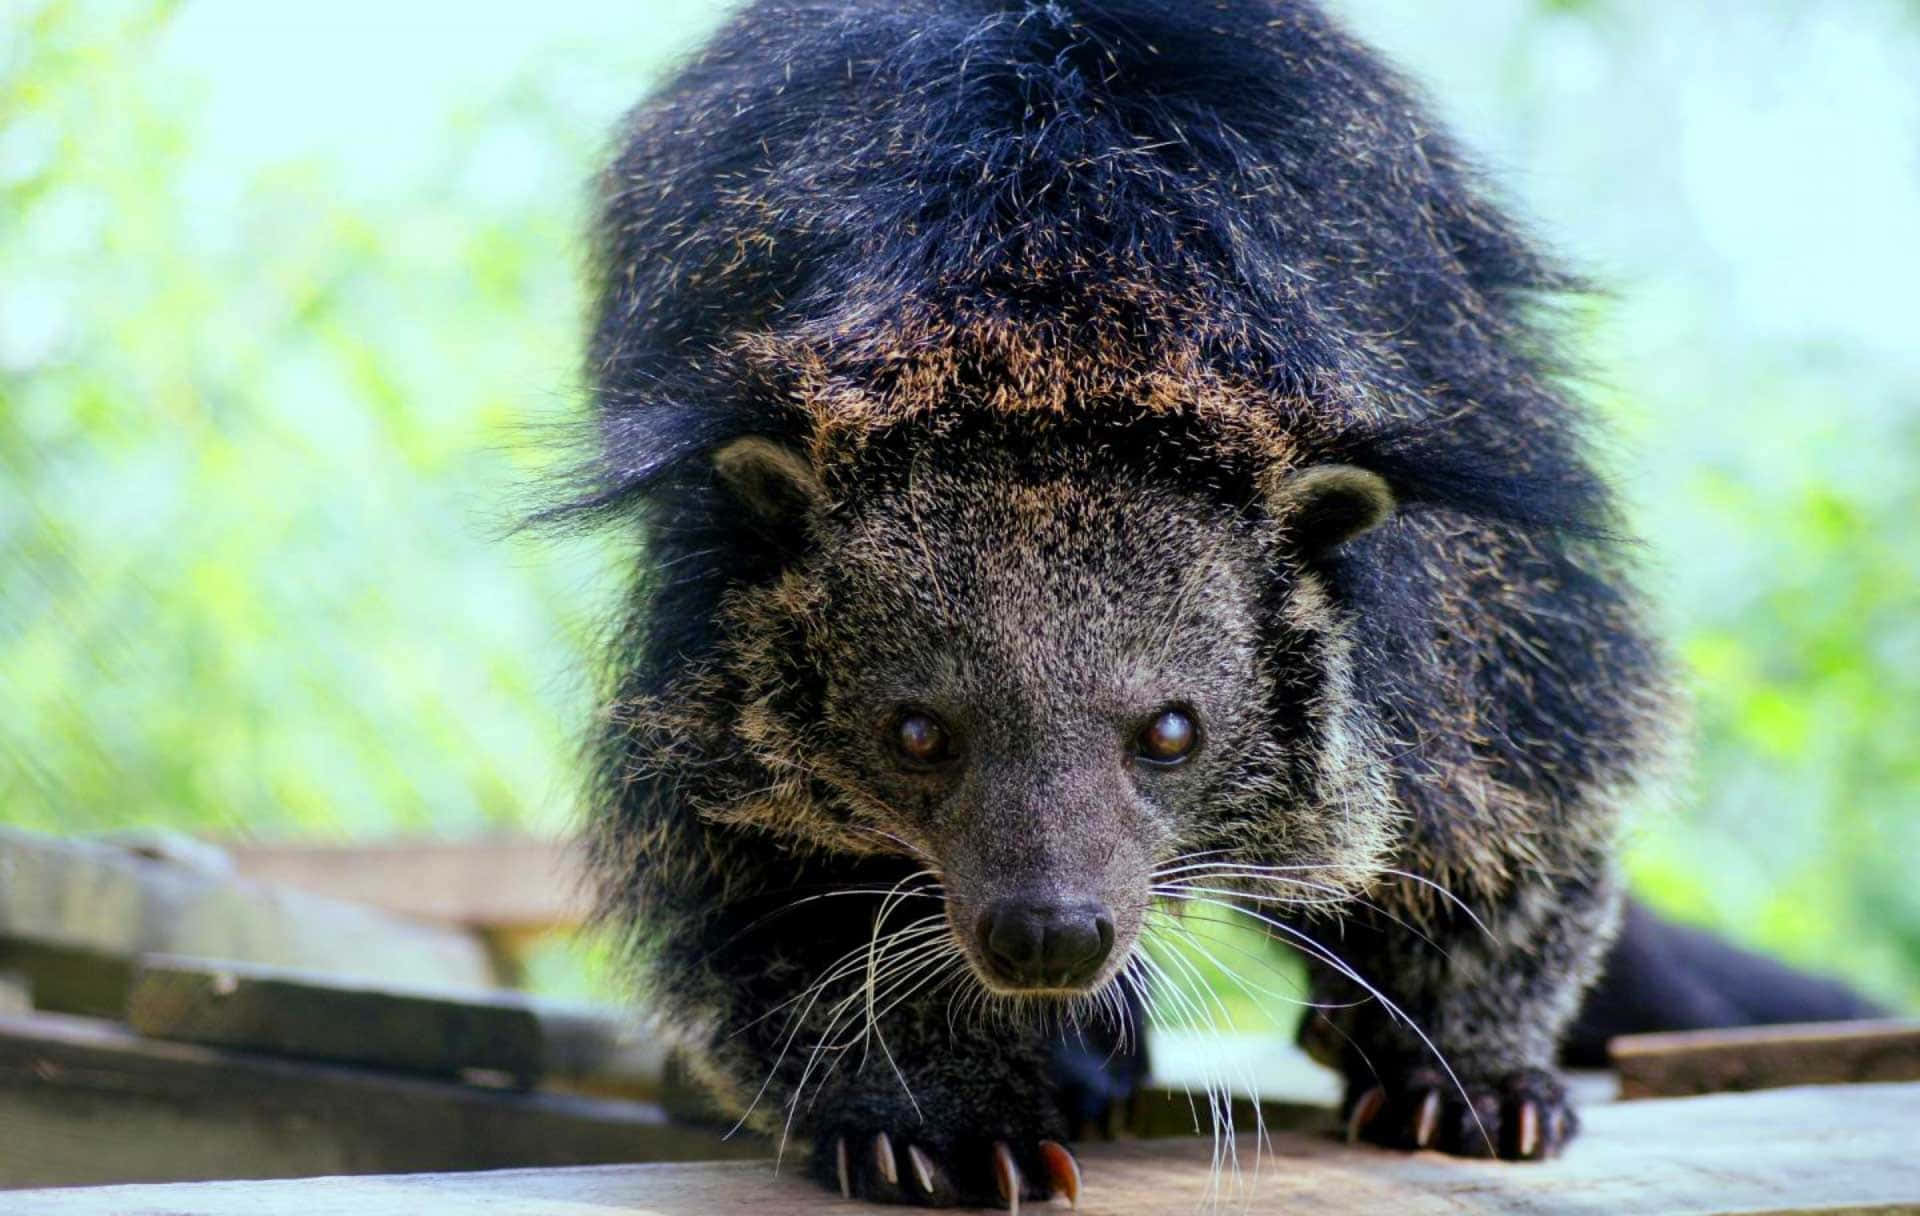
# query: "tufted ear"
1329,504
769,478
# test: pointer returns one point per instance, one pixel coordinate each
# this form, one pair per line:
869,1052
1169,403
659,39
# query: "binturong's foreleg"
825,1000
1446,1027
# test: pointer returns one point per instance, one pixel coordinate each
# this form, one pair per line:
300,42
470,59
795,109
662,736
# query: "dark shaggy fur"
1077,349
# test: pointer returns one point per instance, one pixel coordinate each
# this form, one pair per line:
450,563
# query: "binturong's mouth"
1037,947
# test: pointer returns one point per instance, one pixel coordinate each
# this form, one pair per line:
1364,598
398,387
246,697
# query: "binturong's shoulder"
917,143
841,216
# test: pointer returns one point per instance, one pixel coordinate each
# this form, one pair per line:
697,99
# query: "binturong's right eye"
921,740
1168,739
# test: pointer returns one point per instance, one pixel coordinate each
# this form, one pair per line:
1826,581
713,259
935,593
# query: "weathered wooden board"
1827,1150
87,1101
513,884
298,1013
1764,1057
600,1051
295,1012
75,913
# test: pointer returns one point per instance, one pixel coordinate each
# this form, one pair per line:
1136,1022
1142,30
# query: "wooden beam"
87,1101
281,1011
1765,1057
1785,1151
75,913
514,884
291,1012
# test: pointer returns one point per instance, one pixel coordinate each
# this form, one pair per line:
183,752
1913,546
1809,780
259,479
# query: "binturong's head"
1059,678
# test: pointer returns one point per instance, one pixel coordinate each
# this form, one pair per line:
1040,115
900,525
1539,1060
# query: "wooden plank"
69,979
300,1013
85,1101
513,884
595,1050
74,914
1764,1057
600,1052
1785,1151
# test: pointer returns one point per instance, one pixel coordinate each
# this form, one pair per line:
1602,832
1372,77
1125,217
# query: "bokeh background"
289,294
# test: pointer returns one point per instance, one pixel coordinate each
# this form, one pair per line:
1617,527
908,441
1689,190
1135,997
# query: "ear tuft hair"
770,478
1330,504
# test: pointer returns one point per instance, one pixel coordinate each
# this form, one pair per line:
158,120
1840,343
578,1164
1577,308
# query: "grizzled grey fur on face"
1023,604
1085,453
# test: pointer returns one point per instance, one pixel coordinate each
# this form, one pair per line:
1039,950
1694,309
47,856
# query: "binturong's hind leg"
1447,1028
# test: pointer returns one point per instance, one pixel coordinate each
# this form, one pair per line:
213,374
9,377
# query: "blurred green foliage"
285,293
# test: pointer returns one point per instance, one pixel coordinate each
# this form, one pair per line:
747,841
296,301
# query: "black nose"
1045,945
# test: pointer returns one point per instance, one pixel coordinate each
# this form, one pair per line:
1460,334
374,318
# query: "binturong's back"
1093,459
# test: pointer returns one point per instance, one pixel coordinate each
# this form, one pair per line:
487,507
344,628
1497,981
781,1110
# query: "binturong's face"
1056,685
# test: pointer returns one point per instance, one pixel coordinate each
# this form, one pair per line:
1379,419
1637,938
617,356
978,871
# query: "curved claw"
883,1159
922,1168
1063,1172
840,1167
1426,1119
1365,1111
1526,1132
1006,1174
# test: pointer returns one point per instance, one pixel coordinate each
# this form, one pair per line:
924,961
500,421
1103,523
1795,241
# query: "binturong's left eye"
1168,739
921,740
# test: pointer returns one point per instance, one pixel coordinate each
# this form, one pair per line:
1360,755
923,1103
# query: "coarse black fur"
1035,365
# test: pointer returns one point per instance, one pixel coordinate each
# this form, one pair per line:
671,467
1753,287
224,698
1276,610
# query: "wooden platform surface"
1817,1149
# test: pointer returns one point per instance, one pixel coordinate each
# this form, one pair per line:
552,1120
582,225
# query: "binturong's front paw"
1521,1116
913,1162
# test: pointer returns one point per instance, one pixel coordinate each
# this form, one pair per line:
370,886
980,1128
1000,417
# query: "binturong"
1092,459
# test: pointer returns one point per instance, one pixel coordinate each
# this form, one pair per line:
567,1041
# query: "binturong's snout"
1035,944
